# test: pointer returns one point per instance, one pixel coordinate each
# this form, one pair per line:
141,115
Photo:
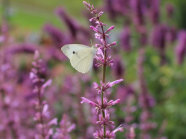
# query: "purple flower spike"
56,35
125,39
85,100
71,24
170,10
118,68
111,84
109,29
65,128
181,47
42,114
154,11
159,36
102,106
138,12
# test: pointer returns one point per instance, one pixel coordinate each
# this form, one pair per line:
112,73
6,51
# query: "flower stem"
104,72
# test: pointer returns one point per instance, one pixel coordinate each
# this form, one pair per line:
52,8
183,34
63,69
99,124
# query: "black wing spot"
73,52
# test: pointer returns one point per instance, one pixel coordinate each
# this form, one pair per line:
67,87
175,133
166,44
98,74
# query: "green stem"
103,78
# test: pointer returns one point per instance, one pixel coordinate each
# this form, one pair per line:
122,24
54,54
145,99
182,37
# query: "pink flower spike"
109,29
45,109
85,100
113,102
32,75
100,52
94,29
119,128
92,19
72,127
97,87
36,54
100,13
46,84
112,44
53,122
111,84
87,5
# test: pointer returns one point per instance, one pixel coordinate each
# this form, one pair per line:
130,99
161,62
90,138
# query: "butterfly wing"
83,60
70,48
81,56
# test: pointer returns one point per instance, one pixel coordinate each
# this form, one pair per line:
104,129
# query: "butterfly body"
81,56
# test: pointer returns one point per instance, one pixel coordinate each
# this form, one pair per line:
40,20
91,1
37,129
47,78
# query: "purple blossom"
146,101
124,91
155,11
159,36
138,12
103,59
59,39
170,10
125,39
181,47
42,114
117,7
99,105
85,100
171,34
104,87
71,24
111,9
63,132
77,32
118,68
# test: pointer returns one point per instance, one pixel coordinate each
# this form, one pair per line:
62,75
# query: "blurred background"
150,56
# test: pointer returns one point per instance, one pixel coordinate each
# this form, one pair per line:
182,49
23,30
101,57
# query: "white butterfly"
81,56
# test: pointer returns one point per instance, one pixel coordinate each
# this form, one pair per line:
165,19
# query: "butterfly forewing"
83,60
69,49
81,56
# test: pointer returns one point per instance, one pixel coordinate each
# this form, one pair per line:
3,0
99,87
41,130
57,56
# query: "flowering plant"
105,125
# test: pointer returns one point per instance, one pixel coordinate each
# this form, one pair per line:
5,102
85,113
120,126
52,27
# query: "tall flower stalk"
146,101
105,125
42,115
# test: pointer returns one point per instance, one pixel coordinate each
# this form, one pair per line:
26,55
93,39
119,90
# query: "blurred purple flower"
118,68
181,47
123,92
159,36
138,10
125,39
117,7
155,11
78,33
146,101
171,34
42,114
21,48
111,9
71,24
63,132
170,10
57,36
